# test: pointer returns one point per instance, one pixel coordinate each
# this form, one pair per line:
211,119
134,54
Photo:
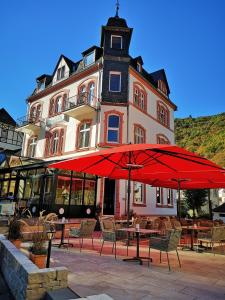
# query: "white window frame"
55,142
84,132
121,41
142,193
59,72
169,197
138,67
86,65
114,73
33,147
113,129
139,135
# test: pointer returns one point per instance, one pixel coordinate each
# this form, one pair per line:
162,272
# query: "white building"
106,99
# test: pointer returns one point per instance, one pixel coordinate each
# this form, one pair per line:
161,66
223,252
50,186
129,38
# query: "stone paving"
202,275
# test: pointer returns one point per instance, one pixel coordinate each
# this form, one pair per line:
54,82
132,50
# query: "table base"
62,245
139,259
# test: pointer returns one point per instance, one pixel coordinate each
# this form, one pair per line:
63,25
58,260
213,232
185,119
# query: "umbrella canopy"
140,162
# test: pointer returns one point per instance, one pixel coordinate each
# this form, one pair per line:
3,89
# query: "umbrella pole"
128,198
178,204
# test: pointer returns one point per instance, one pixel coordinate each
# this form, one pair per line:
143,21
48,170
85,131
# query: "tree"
195,199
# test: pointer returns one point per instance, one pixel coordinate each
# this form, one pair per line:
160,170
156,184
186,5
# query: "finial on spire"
117,8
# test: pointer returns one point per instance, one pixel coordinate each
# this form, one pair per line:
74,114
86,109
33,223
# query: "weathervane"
117,8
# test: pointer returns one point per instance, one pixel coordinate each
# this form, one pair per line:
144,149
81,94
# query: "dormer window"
41,85
61,73
162,86
89,59
116,42
138,67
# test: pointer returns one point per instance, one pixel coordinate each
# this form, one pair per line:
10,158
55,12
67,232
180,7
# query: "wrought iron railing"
28,119
80,99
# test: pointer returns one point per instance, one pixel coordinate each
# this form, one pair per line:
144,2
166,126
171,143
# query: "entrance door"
109,197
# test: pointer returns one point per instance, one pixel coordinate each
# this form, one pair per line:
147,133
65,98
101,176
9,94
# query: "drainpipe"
98,105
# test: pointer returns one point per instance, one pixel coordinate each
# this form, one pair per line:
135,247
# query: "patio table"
62,224
193,229
138,232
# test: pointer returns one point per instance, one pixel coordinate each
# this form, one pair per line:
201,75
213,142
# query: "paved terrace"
202,275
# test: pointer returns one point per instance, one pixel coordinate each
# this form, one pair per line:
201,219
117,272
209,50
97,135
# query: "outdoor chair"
215,235
166,244
86,230
111,234
166,225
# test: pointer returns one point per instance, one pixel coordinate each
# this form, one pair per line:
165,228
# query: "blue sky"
186,38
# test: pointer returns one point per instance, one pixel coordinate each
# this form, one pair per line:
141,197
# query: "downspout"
98,105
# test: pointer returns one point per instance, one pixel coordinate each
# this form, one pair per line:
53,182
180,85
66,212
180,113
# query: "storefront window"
63,189
27,192
89,192
77,191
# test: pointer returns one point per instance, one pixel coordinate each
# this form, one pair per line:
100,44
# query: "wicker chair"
166,244
86,230
111,234
215,235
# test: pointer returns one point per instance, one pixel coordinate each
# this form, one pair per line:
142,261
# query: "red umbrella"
138,162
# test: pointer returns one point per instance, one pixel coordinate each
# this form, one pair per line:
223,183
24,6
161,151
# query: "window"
82,94
138,193
89,59
32,144
38,112
159,196
55,142
116,42
115,82
91,93
84,135
113,129
138,67
58,104
139,134
61,73
162,86
163,114
140,97
162,139
169,197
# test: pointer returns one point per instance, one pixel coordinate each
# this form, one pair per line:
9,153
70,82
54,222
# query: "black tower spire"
117,8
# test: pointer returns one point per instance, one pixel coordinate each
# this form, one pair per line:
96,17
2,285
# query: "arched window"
35,113
58,105
162,114
84,134
82,94
162,139
32,145
113,129
55,142
91,93
140,97
139,134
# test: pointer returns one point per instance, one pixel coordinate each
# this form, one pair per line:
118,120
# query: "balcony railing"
28,119
79,100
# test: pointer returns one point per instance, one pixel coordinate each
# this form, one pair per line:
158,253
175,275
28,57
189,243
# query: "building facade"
106,99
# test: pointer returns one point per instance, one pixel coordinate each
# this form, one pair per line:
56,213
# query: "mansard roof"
71,65
6,118
117,22
160,75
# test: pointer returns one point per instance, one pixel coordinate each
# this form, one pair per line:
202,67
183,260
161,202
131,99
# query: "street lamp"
50,235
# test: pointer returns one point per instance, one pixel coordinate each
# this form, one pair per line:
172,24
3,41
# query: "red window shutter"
61,141
47,144
51,108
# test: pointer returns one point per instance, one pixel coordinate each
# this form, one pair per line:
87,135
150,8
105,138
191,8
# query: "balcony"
29,125
82,106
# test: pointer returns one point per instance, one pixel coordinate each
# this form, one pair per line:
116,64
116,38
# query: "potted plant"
15,234
38,250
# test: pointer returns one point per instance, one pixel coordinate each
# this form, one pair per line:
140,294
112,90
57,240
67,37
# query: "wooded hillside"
203,135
